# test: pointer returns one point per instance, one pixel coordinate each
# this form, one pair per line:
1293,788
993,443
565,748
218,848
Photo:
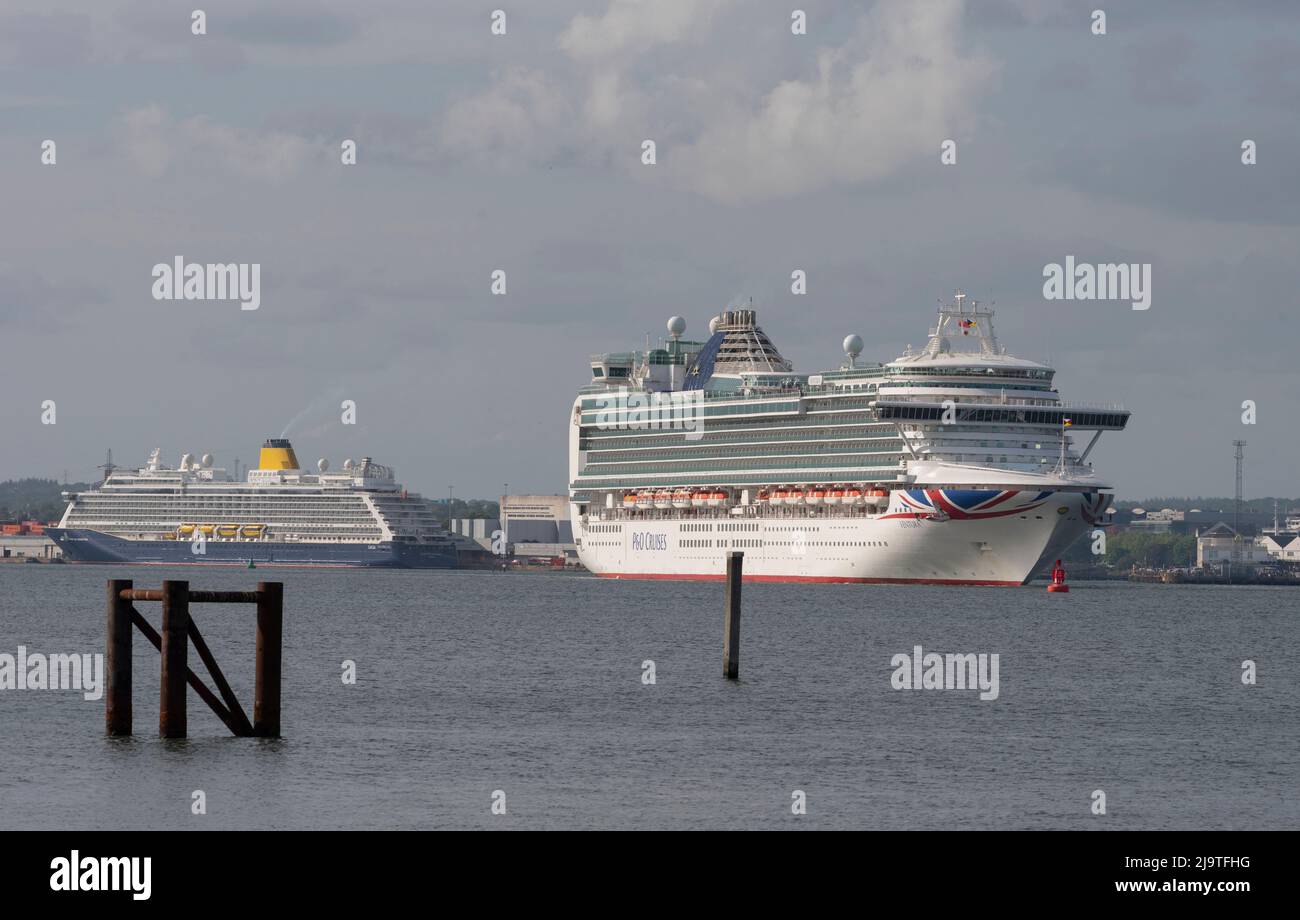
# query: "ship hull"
91,546
985,538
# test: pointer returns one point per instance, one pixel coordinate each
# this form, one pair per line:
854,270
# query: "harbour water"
531,683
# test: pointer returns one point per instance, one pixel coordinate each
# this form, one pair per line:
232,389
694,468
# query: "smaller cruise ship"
279,514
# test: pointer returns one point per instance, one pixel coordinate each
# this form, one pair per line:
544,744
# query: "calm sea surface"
532,684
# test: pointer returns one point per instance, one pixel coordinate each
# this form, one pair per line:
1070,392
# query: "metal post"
731,653
117,692
175,670
270,622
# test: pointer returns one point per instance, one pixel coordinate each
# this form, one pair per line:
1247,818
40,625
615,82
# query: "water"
530,683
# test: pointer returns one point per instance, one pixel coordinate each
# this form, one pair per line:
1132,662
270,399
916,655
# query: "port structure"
178,631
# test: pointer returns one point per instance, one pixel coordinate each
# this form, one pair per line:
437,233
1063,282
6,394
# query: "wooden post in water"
731,653
270,623
117,679
175,645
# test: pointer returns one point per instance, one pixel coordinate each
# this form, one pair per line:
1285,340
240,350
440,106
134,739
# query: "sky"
522,152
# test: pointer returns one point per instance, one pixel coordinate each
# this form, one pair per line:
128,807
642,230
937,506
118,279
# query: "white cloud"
521,116
154,141
886,95
889,95
635,26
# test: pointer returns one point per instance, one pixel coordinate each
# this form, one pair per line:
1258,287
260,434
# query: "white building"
1221,545
1284,547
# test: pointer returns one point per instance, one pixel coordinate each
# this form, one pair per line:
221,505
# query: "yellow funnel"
277,454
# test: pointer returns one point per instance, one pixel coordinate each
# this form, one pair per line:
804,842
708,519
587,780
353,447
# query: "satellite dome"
347,464
322,464
853,345
676,326
206,461
713,324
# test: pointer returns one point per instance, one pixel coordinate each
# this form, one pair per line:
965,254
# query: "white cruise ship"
954,464
279,515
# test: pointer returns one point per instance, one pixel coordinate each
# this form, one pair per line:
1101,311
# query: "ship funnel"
277,454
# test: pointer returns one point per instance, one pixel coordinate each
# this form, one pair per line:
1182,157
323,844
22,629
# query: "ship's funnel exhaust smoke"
322,409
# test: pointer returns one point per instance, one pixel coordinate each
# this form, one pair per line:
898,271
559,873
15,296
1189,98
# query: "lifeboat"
645,499
877,497
228,530
629,500
663,499
168,536
207,529
186,529
815,496
764,495
779,496
852,497
717,499
681,499
834,496
253,531
699,499
794,497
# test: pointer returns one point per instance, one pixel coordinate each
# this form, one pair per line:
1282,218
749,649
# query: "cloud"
889,95
886,95
154,142
635,26
519,118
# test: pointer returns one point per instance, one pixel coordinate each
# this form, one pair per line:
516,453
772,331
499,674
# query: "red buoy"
1058,585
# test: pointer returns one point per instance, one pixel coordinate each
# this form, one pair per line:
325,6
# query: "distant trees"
33,499
472,509
1132,547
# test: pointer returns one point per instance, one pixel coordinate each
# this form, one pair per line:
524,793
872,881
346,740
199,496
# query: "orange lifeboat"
663,499
779,497
717,499
645,499
764,495
815,496
794,497
852,496
682,498
834,496
699,499
629,500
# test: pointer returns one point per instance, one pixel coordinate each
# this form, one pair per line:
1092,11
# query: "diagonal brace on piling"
237,714
198,686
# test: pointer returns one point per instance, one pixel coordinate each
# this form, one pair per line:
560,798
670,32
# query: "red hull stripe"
818,579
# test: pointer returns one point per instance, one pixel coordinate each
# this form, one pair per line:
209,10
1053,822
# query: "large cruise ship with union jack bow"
957,463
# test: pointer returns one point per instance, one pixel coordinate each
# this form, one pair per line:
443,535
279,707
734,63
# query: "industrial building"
28,546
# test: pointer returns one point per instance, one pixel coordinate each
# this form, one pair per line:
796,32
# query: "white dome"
206,461
322,464
853,345
347,464
676,326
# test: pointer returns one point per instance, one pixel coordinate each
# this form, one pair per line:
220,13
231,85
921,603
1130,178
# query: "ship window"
597,372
